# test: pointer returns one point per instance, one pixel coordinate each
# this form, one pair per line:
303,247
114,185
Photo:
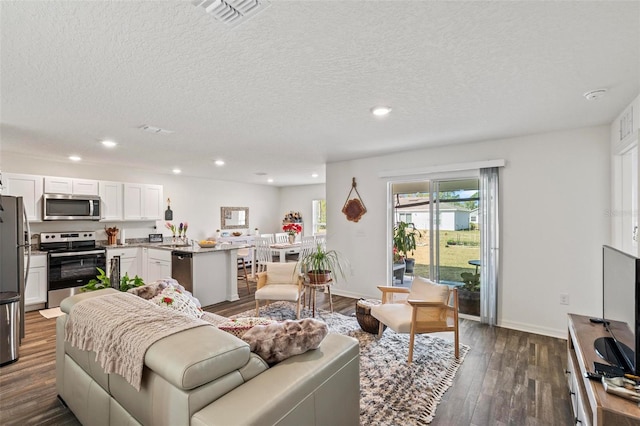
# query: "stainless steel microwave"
70,207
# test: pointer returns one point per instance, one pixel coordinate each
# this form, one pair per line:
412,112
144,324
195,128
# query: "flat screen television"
620,302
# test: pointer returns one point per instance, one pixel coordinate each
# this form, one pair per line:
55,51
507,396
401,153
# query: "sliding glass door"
445,214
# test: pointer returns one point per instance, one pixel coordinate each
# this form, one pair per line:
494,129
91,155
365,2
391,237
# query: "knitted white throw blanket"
120,328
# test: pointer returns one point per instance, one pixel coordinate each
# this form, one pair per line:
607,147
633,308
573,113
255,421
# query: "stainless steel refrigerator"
14,248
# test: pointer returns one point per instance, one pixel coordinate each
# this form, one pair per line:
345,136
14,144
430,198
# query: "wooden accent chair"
280,281
425,308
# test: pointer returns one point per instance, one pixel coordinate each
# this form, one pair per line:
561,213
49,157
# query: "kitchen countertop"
195,249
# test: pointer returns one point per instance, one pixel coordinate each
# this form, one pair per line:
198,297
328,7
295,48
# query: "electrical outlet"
564,298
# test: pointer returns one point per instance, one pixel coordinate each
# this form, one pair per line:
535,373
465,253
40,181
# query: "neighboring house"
473,217
451,217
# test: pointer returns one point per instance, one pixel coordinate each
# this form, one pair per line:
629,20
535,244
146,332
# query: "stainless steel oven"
73,259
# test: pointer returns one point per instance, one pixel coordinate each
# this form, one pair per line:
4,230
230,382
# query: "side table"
312,293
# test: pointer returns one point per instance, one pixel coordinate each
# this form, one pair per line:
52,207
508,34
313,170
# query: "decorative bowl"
236,234
206,243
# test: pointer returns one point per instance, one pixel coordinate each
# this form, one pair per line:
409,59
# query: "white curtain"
490,248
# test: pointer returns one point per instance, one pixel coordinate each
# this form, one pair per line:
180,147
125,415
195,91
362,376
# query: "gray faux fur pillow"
148,291
279,341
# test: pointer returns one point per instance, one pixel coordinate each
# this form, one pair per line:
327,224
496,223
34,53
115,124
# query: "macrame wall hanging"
354,208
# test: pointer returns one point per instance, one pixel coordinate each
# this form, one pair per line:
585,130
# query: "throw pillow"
239,326
279,341
148,291
281,273
424,289
178,300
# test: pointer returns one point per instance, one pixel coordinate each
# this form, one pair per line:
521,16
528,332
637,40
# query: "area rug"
391,391
51,313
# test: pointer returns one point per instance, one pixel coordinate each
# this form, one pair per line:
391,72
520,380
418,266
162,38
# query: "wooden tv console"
591,404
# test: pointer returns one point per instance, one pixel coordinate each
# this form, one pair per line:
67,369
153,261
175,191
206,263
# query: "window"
319,217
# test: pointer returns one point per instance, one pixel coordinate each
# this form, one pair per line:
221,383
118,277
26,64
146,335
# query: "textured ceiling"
291,88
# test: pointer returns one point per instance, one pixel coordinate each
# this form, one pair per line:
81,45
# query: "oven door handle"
77,253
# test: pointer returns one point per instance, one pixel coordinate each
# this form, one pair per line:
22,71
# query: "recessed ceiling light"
595,94
74,158
380,111
270,180
109,144
219,162
314,175
177,171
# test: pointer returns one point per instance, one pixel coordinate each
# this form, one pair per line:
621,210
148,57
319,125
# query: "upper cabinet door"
142,202
85,187
29,187
153,202
111,198
58,185
62,185
133,201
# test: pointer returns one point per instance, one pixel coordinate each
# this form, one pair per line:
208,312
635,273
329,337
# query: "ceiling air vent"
154,129
232,12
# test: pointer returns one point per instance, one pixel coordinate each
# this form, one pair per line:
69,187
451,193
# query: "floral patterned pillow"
178,300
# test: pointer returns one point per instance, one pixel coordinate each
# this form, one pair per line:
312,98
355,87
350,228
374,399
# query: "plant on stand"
469,294
404,242
292,229
322,265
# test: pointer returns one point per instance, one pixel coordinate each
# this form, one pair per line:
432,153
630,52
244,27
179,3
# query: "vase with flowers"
292,229
171,227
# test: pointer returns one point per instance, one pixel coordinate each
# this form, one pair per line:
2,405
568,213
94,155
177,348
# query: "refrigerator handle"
28,244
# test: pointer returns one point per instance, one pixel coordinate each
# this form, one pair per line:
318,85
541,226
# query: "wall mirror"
234,217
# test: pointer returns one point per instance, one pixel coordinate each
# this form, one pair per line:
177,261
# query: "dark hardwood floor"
508,377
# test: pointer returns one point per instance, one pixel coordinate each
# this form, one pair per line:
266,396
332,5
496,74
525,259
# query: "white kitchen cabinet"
29,187
111,197
58,185
129,260
35,291
142,201
85,187
64,185
158,264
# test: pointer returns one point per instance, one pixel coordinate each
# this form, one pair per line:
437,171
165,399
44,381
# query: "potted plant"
469,294
103,281
322,265
404,242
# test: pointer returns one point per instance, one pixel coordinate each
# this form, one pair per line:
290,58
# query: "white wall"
300,199
554,198
194,200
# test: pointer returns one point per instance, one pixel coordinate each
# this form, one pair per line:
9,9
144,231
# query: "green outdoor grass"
453,258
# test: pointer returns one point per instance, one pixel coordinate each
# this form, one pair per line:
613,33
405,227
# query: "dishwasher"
182,269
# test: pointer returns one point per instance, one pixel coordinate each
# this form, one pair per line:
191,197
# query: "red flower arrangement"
292,228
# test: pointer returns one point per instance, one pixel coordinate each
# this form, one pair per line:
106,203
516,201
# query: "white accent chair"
281,281
270,237
282,237
262,254
425,308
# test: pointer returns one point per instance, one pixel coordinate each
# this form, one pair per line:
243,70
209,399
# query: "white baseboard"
531,328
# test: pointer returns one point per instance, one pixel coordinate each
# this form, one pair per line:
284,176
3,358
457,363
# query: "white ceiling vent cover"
232,12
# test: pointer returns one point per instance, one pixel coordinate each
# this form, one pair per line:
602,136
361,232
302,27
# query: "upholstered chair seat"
426,308
280,281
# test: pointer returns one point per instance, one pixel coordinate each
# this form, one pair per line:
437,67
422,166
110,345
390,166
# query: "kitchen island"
211,273
214,272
